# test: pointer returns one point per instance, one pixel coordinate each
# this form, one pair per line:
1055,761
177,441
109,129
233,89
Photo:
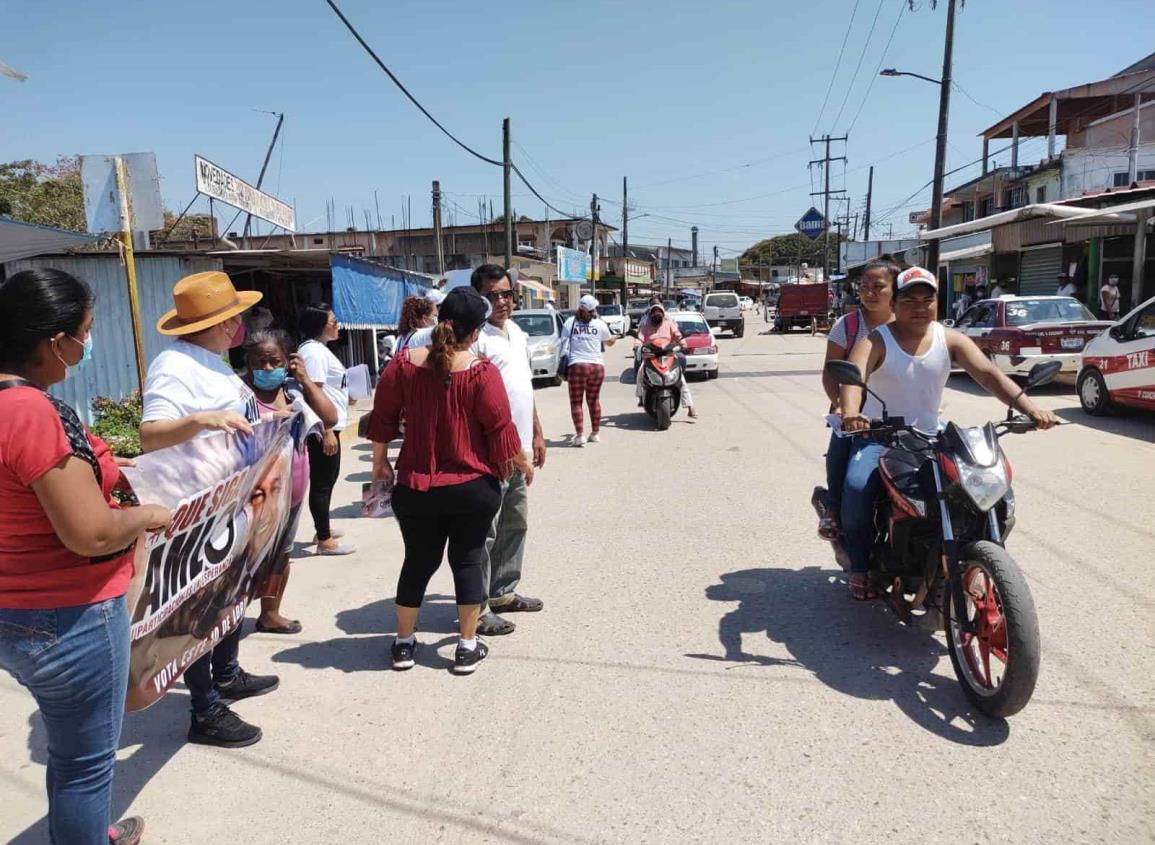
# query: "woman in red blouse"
459,441
65,555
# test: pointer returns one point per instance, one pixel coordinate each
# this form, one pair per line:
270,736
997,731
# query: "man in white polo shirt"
504,343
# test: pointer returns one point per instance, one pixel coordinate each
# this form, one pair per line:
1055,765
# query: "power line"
881,59
858,67
533,191
837,64
405,90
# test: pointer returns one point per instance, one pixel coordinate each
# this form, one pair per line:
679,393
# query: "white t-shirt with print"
584,340
187,379
325,369
837,333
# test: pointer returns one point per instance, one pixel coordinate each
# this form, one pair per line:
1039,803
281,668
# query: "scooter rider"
658,327
907,363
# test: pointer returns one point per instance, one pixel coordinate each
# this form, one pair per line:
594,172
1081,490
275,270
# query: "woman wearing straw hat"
191,392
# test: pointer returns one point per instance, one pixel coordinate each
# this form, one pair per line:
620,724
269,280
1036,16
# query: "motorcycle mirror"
1042,373
845,373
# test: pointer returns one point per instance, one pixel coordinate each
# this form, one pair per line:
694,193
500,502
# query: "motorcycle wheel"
998,665
662,413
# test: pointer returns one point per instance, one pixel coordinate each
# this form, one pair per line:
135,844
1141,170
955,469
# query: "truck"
806,305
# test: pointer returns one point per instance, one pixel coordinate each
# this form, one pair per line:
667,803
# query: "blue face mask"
269,379
86,346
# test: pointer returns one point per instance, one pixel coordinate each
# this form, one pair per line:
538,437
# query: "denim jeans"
74,661
858,494
505,545
837,459
219,666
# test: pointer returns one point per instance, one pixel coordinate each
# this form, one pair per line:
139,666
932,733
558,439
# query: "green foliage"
118,423
46,194
198,226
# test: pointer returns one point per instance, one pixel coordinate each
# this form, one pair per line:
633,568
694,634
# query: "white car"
543,325
699,343
1118,366
614,316
723,311
747,302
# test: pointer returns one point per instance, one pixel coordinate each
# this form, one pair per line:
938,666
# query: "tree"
786,250
192,228
46,194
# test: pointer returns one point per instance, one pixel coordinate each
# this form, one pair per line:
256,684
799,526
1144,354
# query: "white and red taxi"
1119,365
1017,332
699,344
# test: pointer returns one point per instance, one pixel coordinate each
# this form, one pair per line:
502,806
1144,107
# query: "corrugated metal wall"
112,370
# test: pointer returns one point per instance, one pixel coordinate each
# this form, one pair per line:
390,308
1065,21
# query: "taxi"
1118,366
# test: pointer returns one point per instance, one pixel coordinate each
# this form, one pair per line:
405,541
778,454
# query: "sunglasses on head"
495,295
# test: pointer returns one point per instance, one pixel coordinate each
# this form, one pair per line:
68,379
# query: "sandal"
290,627
828,527
860,589
518,604
492,625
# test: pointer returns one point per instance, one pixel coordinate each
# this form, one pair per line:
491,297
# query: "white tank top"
911,385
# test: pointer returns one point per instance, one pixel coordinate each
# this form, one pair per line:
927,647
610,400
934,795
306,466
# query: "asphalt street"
699,673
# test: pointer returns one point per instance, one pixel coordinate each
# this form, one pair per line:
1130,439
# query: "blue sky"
705,106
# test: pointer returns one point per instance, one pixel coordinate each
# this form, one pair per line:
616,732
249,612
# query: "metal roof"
24,240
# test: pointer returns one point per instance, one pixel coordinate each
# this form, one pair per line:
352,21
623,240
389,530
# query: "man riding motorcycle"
907,363
656,327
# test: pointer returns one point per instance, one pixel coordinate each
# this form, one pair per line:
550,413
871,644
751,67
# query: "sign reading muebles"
218,183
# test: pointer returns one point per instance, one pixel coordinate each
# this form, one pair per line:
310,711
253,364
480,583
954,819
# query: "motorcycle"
939,557
661,373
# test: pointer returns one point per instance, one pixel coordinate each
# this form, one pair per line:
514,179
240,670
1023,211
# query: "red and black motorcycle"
939,556
661,375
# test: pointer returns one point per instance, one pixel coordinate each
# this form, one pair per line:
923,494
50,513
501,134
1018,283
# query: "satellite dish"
584,230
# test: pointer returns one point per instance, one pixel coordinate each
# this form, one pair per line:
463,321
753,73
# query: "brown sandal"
860,589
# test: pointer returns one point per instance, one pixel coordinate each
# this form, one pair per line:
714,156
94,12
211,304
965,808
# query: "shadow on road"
857,649
1134,424
159,732
639,421
370,630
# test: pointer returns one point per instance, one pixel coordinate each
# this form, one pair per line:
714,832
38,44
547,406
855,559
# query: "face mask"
238,336
656,319
87,346
269,379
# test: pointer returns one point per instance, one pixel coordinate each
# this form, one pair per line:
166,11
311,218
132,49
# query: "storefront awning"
1015,215
24,240
966,253
367,295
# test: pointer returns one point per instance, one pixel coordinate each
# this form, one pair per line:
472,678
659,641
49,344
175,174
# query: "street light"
932,247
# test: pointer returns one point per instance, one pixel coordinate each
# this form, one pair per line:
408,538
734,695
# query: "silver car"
544,327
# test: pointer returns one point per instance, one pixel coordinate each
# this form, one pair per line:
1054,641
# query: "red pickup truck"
807,305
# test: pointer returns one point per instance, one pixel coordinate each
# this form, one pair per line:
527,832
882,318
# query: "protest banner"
230,496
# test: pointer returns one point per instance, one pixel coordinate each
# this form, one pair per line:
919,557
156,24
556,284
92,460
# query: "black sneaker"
403,654
126,831
465,660
223,728
246,685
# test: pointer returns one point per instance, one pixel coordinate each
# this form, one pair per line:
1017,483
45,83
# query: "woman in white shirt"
319,326
584,337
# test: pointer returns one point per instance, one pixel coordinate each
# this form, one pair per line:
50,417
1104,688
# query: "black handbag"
563,360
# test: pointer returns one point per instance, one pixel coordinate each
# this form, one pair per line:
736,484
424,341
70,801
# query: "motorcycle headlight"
984,485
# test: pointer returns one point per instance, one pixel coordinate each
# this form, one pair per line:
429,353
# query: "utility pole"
625,219
505,168
261,177
869,194
437,226
594,248
714,270
932,249
669,265
826,192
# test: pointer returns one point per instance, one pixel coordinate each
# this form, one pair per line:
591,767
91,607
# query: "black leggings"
459,514
324,470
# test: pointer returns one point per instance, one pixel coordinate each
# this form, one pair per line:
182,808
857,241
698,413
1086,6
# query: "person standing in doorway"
1109,298
997,290
1066,286
585,336
191,392
318,325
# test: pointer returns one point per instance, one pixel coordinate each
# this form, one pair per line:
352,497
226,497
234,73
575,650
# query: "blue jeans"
837,458
858,496
219,666
74,661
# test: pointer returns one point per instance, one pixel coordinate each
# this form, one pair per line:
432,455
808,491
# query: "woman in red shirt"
65,555
459,441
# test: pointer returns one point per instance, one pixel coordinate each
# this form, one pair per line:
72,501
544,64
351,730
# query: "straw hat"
204,300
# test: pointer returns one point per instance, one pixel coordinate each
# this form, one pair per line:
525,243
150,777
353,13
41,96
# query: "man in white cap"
907,363
191,392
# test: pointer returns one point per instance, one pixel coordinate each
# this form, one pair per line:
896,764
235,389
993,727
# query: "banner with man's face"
231,500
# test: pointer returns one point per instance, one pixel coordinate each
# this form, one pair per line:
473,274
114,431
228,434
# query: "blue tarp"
367,295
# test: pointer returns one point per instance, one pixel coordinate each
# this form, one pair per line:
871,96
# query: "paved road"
699,673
